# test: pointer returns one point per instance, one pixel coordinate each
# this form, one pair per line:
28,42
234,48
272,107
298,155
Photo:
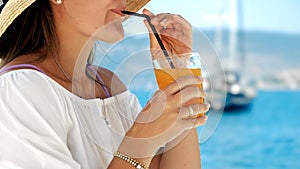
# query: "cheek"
85,14
94,19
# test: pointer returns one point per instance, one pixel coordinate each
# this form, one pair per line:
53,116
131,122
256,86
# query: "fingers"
188,94
174,31
147,12
154,19
193,111
199,121
182,82
195,122
171,21
152,38
166,22
154,45
153,41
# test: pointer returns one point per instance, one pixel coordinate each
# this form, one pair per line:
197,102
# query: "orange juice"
166,76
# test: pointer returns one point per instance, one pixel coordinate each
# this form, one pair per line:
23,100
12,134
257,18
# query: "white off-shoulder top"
44,126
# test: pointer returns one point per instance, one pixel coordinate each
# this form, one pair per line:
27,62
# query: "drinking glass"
168,69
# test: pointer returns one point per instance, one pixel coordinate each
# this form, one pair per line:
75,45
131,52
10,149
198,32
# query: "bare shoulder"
111,80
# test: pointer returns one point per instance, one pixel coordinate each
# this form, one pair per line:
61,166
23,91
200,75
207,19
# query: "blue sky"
264,15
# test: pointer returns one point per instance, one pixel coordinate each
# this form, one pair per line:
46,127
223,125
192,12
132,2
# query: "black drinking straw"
155,34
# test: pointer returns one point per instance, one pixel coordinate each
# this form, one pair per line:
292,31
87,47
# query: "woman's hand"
164,117
174,31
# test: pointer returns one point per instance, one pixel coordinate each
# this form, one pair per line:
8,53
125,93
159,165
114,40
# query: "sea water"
265,136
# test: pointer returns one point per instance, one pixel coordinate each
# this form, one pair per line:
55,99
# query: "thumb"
153,41
147,12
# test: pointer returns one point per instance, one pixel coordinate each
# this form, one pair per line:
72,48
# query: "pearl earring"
59,2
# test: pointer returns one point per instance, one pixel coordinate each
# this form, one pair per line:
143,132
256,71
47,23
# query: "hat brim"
11,11
135,5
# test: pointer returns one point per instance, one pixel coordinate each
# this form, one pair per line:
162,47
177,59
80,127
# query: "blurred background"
258,43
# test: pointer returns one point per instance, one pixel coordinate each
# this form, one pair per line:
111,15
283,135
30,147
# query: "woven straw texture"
11,11
135,5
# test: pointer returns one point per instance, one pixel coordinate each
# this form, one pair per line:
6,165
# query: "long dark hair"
33,32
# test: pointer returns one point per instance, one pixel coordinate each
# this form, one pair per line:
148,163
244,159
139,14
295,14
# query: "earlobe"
57,2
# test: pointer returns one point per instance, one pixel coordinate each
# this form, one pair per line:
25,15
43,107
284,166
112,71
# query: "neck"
73,53
69,67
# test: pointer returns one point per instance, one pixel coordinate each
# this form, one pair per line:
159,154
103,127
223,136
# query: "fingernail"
205,117
207,106
163,21
177,16
200,79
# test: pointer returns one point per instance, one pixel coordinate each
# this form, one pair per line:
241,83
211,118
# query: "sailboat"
240,91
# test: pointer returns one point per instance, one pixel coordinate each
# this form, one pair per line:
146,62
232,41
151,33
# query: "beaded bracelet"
135,163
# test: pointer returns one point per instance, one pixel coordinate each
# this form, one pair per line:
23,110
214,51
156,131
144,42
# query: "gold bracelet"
135,163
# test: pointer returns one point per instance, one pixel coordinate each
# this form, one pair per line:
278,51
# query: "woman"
55,113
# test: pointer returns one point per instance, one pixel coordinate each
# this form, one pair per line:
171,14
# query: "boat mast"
233,23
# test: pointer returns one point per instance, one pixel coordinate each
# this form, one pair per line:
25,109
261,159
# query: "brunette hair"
32,32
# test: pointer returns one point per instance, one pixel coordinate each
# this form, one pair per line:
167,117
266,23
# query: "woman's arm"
183,153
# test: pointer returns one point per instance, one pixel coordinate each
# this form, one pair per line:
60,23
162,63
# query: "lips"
118,12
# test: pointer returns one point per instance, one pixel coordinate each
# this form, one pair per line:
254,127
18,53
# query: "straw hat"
13,8
135,5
